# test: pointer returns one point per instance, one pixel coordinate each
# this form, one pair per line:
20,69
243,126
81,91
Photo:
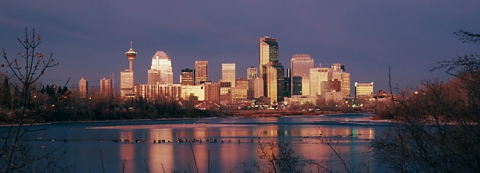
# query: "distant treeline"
105,109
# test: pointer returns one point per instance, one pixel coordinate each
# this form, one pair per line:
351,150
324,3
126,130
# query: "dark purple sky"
89,39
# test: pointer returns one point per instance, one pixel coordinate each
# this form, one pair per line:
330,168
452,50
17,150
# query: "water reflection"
236,142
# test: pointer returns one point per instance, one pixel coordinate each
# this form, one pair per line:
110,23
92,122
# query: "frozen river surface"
87,144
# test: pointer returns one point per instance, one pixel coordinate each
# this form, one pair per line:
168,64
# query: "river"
233,145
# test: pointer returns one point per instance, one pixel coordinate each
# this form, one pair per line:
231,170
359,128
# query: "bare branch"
468,37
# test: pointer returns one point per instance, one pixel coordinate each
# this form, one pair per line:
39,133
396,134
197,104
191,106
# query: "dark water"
88,143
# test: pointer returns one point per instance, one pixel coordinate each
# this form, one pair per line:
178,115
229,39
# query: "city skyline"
365,38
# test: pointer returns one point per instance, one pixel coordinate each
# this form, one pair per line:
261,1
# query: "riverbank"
66,116
274,113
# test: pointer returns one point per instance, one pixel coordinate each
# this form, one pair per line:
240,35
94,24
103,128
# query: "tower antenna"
130,44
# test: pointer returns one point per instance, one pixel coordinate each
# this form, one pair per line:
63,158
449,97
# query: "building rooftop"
161,55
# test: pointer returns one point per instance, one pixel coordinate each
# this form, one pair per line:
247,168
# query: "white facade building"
161,69
228,73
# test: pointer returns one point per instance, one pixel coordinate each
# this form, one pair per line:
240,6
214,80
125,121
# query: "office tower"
319,81
338,73
106,87
225,87
127,76
201,72
300,65
240,91
268,53
83,88
197,91
186,77
257,87
275,76
159,91
228,73
153,76
212,92
241,83
288,83
363,90
252,74
337,67
161,69
345,84
335,85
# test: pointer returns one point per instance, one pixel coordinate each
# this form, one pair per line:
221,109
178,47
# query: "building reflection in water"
127,151
235,144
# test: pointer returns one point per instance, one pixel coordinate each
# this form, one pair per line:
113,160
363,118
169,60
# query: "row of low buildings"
302,82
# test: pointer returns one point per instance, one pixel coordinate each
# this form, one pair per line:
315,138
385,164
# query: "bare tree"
436,127
27,67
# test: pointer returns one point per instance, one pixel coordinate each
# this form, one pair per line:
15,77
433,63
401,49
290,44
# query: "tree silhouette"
437,127
27,67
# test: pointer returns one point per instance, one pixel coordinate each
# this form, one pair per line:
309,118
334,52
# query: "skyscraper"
252,74
268,53
83,88
161,69
288,83
212,92
300,65
228,73
187,77
127,76
240,91
106,87
201,72
257,86
345,84
275,76
320,83
338,73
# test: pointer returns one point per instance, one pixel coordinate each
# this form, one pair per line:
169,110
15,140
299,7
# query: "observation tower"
131,55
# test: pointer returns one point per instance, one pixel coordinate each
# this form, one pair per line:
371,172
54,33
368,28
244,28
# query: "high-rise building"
345,84
212,92
228,73
225,87
241,83
335,85
268,53
153,76
288,83
363,90
319,81
300,65
201,72
106,87
338,73
257,87
161,69
337,67
240,91
275,76
296,85
186,77
83,88
252,74
127,76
